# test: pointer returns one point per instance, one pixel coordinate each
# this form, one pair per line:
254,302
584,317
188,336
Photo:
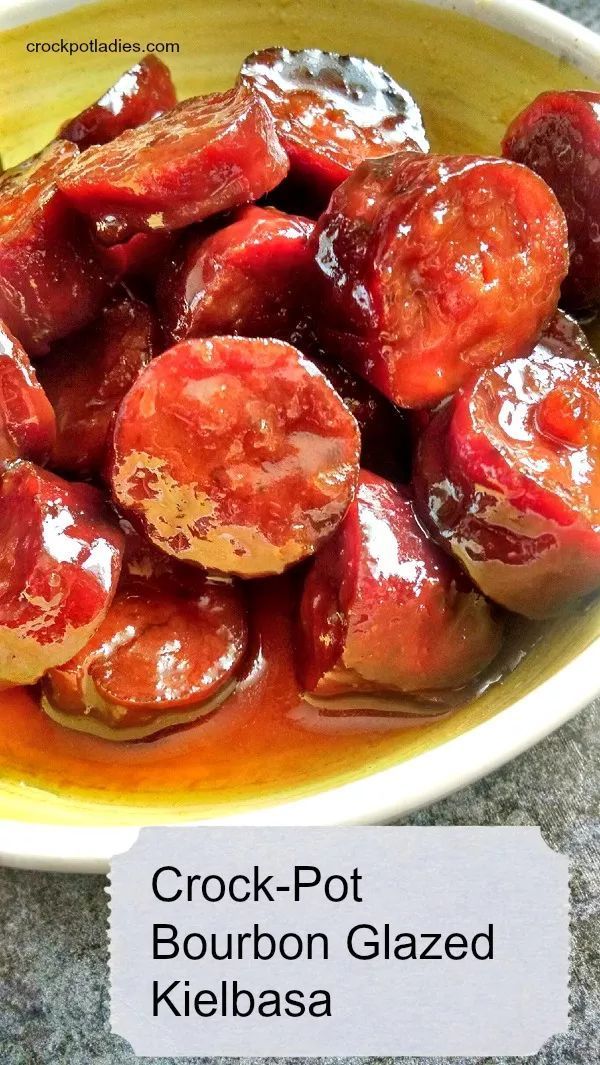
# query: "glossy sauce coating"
384,609
27,423
141,93
558,136
248,278
430,267
562,336
508,476
51,277
59,566
160,656
262,742
208,154
332,111
235,454
86,376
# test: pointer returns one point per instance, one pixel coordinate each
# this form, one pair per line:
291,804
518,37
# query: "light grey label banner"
339,942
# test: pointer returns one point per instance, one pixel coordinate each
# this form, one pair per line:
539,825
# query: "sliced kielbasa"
86,376
141,93
235,454
142,257
384,429
27,423
52,280
60,557
208,154
383,609
161,657
332,111
430,267
508,477
563,336
558,136
248,278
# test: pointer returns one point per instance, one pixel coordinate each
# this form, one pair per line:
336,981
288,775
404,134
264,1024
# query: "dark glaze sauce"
263,742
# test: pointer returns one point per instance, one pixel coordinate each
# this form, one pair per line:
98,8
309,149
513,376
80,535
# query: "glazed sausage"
558,136
235,454
161,657
86,376
141,93
208,154
332,111
248,278
59,567
431,267
27,423
51,278
383,609
508,476
562,336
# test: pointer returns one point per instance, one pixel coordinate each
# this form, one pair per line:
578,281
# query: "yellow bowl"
470,78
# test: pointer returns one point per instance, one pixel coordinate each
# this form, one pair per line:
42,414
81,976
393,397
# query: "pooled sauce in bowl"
265,741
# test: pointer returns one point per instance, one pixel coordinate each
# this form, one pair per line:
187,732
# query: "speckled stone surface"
53,964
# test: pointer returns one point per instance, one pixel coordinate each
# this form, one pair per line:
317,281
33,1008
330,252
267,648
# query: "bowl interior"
470,80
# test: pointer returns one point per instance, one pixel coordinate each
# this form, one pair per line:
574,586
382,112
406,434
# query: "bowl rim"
373,799
529,20
450,766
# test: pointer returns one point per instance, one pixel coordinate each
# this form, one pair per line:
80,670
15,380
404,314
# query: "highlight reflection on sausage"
234,454
383,609
507,476
162,657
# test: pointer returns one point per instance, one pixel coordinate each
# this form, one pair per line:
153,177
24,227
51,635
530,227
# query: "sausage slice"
235,454
558,136
141,93
27,422
383,609
59,564
208,154
431,267
332,111
508,477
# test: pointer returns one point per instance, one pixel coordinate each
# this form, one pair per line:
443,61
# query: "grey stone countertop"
53,961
